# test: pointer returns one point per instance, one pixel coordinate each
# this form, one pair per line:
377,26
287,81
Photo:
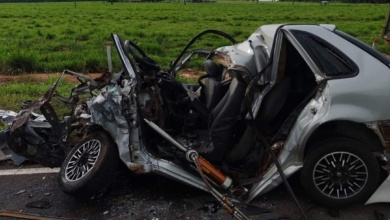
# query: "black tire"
339,172
96,155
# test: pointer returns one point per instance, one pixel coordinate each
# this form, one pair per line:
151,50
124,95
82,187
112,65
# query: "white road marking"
27,171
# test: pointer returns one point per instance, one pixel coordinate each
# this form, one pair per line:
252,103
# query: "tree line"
17,1
342,1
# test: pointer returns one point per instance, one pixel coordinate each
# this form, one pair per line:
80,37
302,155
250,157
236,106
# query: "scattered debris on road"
4,155
20,192
40,204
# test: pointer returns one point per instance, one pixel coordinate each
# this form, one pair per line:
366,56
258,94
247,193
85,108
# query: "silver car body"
362,98
359,99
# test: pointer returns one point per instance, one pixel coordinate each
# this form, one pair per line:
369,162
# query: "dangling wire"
200,171
222,199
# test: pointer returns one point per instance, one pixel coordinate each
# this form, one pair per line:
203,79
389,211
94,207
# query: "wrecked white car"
291,98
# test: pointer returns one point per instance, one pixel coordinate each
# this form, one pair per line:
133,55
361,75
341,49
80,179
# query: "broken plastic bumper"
4,138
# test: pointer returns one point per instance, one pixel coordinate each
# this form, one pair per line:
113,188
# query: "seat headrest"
212,68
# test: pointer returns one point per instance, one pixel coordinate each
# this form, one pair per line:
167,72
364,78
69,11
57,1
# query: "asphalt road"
151,197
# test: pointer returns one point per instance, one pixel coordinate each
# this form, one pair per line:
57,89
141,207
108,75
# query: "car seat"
211,87
224,117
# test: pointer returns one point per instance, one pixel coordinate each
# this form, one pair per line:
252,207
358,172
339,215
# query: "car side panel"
362,98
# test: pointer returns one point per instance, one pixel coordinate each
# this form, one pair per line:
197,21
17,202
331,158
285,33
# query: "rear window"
330,60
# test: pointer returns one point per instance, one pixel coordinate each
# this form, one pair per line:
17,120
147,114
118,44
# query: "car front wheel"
90,166
340,172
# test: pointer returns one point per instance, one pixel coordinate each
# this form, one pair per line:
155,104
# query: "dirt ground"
37,77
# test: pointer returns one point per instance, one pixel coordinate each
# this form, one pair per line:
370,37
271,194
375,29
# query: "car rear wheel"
90,166
340,172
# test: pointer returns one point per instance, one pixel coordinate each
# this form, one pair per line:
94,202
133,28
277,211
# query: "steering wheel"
144,62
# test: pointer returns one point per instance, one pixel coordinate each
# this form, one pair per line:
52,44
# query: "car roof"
268,31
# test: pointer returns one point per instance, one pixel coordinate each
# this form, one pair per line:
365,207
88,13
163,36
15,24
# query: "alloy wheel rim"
83,160
340,175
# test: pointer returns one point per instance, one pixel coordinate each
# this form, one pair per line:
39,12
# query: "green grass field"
49,37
